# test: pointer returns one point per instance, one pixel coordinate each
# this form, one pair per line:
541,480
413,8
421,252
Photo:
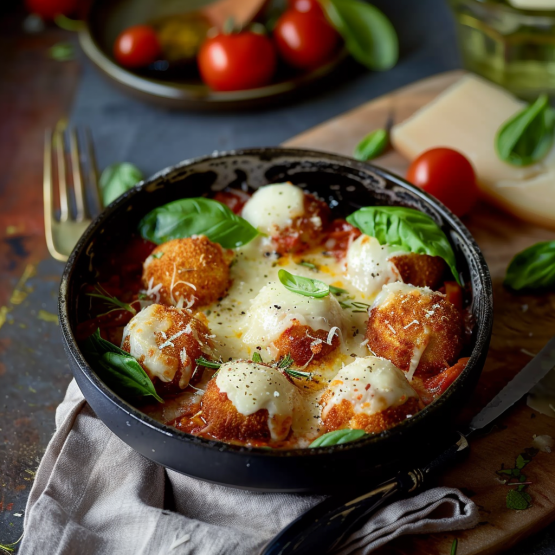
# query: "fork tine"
59,147
77,176
93,169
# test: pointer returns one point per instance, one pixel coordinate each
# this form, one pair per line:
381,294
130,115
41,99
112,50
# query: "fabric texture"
94,495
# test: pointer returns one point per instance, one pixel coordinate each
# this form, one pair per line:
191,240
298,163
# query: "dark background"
34,93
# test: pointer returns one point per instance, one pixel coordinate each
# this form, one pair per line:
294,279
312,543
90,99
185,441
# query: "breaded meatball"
420,270
249,401
416,328
370,394
194,271
305,345
289,323
166,341
295,220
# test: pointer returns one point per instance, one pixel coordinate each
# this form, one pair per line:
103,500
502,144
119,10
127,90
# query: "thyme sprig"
354,306
102,294
201,361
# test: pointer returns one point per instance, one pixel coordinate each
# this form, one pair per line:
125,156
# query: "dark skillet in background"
346,185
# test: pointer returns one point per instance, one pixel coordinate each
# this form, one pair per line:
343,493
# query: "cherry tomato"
306,6
237,61
304,40
137,46
49,9
447,175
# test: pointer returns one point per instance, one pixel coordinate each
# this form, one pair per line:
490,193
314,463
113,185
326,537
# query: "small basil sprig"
304,286
406,228
338,437
527,137
371,146
368,34
117,179
118,368
533,268
197,216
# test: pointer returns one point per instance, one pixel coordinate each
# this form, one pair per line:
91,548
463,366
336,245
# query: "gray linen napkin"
94,495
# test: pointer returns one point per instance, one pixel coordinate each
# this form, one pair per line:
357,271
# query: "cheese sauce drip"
371,385
252,387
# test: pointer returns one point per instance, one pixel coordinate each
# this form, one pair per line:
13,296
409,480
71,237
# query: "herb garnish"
371,146
355,306
528,135
201,361
338,291
9,548
62,52
517,498
118,368
101,293
285,362
256,357
298,374
116,179
304,286
309,265
532,268
197,216
157,255
338,437
454,547
407,228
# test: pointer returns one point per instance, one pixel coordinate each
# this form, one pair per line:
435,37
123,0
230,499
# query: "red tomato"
447,175
49,9
306,6
137,46
237,61
440,382
453,293
305,40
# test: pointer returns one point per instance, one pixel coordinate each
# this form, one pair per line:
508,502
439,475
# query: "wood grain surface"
522,325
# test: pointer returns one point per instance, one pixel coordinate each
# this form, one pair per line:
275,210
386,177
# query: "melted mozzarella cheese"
275,309
252,387
142,331
371,385
273,207
391,290
368,267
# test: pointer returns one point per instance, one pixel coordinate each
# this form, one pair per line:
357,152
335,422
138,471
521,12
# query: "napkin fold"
95,495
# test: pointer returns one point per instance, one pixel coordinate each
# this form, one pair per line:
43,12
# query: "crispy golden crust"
305,231
194,260
181,353
343,415
420,270
304,344
224,422
411,319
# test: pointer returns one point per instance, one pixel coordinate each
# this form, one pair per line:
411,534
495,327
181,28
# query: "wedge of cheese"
466,117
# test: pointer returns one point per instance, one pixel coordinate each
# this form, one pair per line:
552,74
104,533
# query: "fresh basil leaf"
407,228
518,500
118,368
338,437
533,268
369,36
304,286
197,216
62,52
117,179
527,137
371,146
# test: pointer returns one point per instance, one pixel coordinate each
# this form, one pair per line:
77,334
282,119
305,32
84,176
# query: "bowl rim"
481,342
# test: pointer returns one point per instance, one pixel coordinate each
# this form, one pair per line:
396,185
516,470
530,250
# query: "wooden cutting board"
522,325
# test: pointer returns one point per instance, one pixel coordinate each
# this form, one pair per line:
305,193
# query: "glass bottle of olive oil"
510,42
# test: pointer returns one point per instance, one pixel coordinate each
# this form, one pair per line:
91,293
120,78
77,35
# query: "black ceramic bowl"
346,185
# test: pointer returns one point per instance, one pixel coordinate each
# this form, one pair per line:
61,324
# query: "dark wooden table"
35,91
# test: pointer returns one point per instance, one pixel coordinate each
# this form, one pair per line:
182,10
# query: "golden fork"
64,224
